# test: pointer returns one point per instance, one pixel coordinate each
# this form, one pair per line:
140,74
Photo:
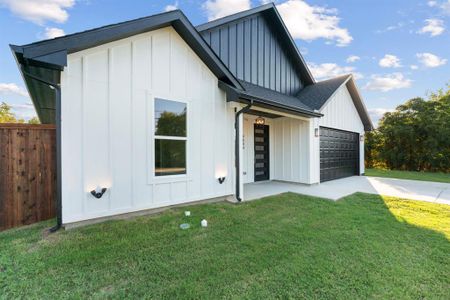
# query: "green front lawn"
287,246
424,176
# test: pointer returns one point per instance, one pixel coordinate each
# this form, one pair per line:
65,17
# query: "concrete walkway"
410,189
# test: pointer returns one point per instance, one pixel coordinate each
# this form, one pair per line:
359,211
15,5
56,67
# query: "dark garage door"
339,154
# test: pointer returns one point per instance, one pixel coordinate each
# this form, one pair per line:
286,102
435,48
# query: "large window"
170,137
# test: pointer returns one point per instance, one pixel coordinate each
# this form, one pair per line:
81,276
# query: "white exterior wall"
289,146
248,147
291,150
341,113
107,127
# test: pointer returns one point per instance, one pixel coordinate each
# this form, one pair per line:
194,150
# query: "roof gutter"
57,89
286,108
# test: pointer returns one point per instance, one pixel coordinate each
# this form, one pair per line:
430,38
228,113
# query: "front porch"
277,148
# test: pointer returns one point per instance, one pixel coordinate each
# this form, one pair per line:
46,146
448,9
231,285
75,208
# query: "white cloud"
303,51
329,70
220,8
352,58
377,113
40,11
446,7
431,3
24,111
434,27
313,22
388,82
171,7
430,60
414,67
303,20
52,32
389,61
12,88
399,25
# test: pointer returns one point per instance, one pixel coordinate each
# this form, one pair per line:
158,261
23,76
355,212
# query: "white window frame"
177,177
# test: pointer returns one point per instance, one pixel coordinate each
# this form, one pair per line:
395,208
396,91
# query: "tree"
413,137
34,120
6,115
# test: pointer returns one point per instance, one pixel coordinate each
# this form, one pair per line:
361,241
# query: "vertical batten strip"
132,138
83,133
108,97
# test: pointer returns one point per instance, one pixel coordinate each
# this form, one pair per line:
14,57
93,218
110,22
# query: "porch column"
314,151
241,155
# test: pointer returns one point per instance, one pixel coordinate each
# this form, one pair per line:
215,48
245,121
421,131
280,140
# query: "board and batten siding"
253,52
340,113
107,127
291,150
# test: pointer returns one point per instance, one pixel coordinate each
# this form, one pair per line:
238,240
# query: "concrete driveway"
410,189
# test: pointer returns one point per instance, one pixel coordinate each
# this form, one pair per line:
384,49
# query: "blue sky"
397,49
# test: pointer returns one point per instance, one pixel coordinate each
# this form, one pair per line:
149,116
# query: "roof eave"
54,52
357,101
234,95
230,18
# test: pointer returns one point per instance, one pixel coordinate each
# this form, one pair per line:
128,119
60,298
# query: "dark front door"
339,154
261,152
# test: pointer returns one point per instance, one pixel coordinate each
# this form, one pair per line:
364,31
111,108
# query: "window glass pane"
170,157
170,118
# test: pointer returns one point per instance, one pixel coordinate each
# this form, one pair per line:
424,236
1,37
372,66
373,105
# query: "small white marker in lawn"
187,213
185,226
204,223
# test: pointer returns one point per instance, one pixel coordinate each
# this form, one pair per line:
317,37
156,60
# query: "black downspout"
57,89
236,149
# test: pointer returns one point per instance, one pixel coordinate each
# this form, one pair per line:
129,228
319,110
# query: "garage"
339,154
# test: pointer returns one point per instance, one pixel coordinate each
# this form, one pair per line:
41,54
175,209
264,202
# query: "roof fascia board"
234,95
334,93
354,92
88,39
357,101
230,18
52,51
299,55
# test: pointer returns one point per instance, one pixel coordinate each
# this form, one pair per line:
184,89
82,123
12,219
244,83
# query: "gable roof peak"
271,12
235,16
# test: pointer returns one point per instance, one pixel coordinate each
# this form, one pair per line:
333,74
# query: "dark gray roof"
316,95
50,56
268,98
274,96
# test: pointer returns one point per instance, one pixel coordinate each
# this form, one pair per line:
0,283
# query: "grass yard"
287,246
423,176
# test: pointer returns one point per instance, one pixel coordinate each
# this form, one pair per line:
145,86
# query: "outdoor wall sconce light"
316,132
221,179
98,192
260,121
361,137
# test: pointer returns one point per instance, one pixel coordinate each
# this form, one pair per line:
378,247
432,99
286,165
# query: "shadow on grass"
282,246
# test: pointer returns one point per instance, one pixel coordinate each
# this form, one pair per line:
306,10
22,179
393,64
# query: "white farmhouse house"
155,112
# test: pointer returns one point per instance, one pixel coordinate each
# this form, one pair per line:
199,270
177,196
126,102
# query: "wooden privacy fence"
27,174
